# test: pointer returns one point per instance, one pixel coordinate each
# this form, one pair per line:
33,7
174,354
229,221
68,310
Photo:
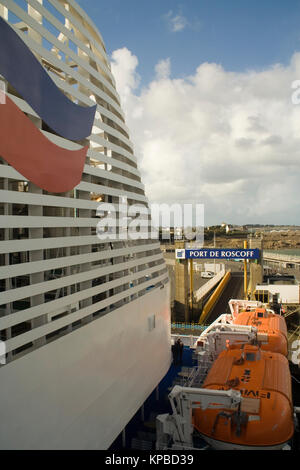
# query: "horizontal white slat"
21,269
109,145
72,146
35,289
27,198
18,197
24,106
15,221
34,46
68,144
60,201
86,17
27,221
66,301
65,87
139,265
110,130
91,187
113,162
15,246
7,171
58,44
90,170
67,14
41,331
69,34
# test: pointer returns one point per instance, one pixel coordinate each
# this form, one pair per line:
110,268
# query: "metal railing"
187,326
188,340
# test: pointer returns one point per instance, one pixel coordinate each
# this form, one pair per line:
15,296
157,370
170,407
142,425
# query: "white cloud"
175,22
178,22
228,140
163,69
123,68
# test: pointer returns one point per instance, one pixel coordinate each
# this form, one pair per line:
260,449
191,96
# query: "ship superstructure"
85,321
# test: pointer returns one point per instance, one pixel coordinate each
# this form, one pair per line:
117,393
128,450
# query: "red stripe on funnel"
23,146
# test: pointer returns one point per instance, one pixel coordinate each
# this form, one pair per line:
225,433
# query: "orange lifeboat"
264,418
269,323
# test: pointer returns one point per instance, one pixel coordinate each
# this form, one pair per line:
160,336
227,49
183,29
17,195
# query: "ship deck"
140,433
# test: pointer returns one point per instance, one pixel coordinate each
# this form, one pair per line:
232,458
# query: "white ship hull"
85,321
80,391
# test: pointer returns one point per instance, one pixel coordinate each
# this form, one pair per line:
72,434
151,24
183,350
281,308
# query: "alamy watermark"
296,94
122,221
2,352
2,92
295,347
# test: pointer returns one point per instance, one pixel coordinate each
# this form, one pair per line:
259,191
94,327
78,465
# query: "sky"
206,86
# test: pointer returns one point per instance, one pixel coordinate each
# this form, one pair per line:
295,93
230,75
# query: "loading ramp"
233,290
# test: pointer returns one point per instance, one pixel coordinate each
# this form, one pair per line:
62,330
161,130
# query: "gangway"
208,286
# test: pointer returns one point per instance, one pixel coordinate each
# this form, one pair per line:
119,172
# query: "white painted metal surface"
188,340
200,293
281,257
178,427
79,391
287,294
75,310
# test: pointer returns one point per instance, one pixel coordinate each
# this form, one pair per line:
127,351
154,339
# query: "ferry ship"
85,321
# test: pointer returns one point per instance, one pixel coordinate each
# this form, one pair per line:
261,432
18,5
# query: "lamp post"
245,272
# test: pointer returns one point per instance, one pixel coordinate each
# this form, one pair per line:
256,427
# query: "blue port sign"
218,253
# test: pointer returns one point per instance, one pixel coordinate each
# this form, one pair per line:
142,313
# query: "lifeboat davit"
269,323
264,418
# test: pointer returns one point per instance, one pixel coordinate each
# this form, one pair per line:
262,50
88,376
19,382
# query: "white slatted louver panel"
57,275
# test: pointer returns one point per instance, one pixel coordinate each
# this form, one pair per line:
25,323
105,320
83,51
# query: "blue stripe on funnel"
23,71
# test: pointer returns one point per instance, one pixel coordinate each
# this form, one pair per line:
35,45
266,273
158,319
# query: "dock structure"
281,260
181,286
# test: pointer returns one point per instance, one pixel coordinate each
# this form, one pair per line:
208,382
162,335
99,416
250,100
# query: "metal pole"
191,284
245,272
214,247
